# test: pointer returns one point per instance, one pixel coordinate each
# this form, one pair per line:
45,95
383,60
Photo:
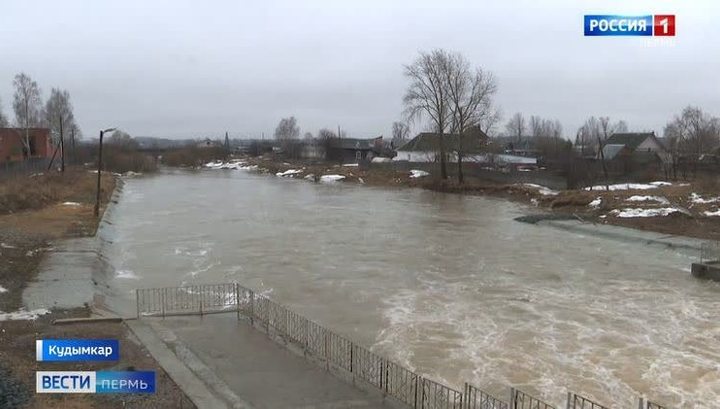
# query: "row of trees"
30,112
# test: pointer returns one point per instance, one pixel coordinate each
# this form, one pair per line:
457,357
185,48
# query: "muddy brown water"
448,285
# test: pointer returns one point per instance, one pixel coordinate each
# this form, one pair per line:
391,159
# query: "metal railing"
576,401
478,399
646,404
335,351
710,252
522,400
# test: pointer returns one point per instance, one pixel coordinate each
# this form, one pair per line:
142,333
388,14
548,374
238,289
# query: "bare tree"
327,139
470,94
516,126
691,134
426,96
287,129
489,122
26,105
59,118
308,136
3,119
400,133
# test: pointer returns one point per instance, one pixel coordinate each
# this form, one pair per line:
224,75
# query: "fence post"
387,376
237,300
327,350
162,302
137,302
466,396
252,308
568,400
417,378
640,403
512,398
201,300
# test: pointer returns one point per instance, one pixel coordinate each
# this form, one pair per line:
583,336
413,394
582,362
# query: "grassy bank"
34,212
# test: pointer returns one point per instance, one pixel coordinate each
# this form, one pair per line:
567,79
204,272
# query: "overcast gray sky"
180,68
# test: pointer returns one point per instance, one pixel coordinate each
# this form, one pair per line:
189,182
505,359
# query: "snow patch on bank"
22,315
716,213
657,199
697,199
417,173
289,172
3,289
595,203
543,190
630,213
331,178
71,204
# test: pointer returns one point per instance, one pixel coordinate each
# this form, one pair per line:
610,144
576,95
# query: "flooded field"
448,285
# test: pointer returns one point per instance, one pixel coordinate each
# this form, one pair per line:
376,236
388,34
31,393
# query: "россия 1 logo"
613,25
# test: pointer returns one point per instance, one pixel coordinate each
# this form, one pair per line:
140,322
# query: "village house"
629,152
353,150
425,147
12,147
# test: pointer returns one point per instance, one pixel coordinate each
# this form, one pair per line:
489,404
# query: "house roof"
354,143
610,151
632,139
430,142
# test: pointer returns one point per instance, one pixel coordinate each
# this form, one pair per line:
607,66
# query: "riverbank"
36,213
685,208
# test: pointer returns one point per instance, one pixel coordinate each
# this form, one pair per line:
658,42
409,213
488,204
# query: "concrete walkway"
65,279
246,369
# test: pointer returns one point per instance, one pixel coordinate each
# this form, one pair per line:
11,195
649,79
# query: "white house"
426,148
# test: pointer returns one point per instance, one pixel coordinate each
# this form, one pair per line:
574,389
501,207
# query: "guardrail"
335,351
710,251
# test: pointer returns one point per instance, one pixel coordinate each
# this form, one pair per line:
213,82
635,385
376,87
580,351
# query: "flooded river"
448,285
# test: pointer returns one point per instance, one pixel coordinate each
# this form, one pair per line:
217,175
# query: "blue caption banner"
77,350
95,382
614,25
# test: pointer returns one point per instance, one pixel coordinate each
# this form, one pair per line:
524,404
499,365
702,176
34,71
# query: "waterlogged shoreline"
672,208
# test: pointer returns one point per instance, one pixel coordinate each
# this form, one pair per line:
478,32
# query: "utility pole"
96,211
62,147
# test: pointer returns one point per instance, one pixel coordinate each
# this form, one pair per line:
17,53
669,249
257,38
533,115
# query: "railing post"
640,403
417,378
466,396
162,302
137,302
201,300
237,300
569,398
327,350
387,376
252,308
512,398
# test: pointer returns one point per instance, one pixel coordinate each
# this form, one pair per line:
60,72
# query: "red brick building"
12,147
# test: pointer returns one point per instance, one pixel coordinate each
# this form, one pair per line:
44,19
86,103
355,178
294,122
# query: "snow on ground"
331,178
595,203
716,213
624,186
543,190
417,173
71,204
7,246
378,159
289,172
23,315
657,199
351,165
309,176
697,199
3,289
629,212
